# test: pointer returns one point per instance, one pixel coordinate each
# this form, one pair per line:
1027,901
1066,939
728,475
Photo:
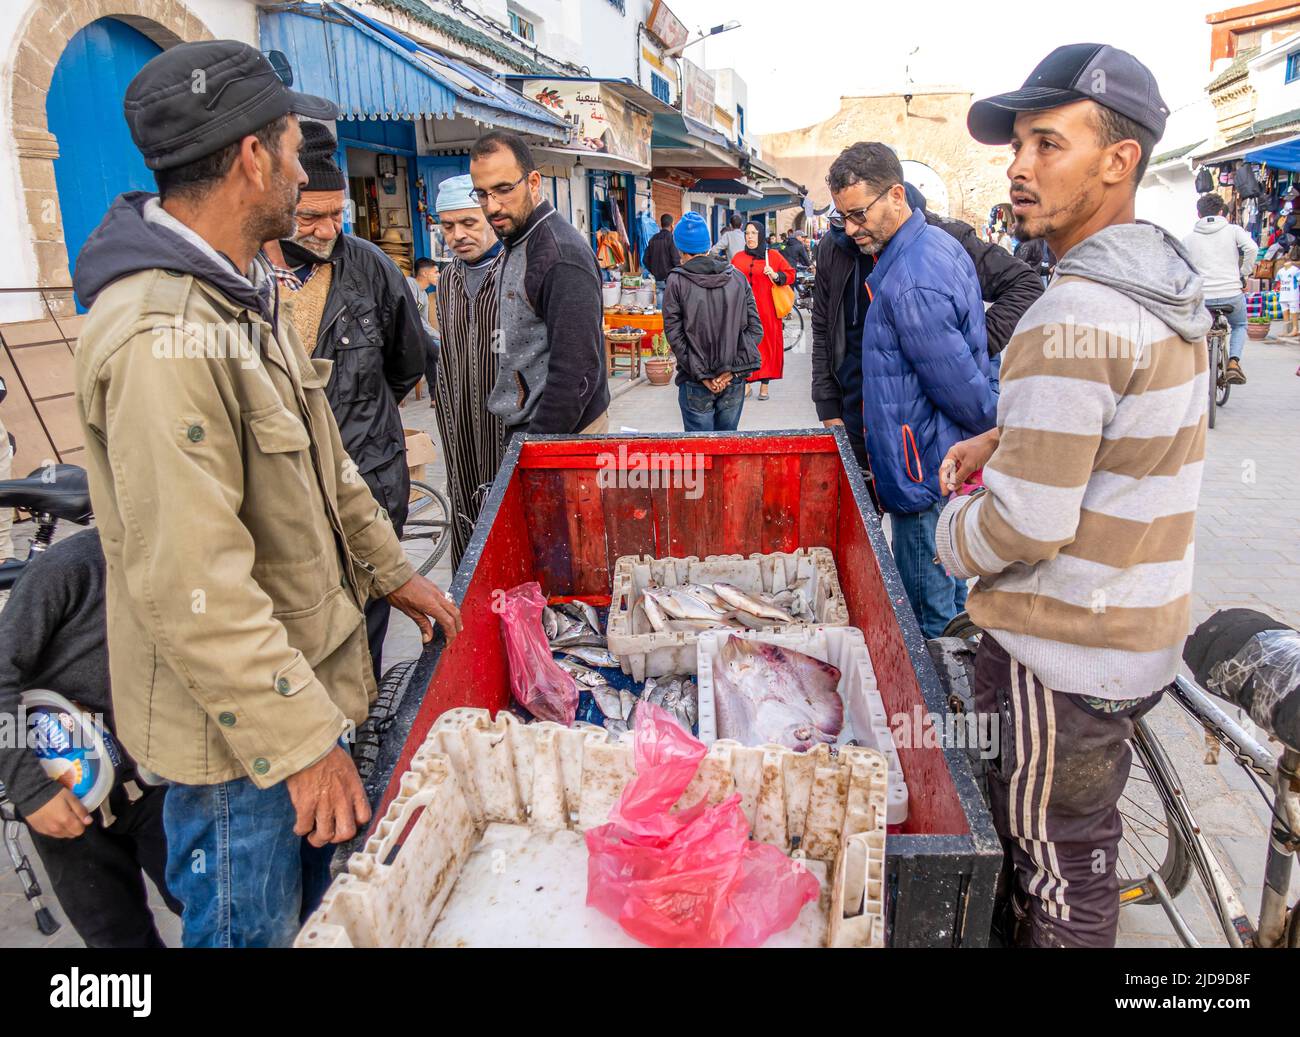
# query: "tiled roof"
1235,70
1276,121
1169,156
464,34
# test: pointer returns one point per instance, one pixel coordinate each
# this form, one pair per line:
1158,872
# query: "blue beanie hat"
691,235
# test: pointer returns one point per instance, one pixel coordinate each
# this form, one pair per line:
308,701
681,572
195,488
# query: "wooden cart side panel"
780,503
873,592
741,526
820,495
546,519
939,891
586,531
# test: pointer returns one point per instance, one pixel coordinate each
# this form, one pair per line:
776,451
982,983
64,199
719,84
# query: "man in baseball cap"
1082,536
242,544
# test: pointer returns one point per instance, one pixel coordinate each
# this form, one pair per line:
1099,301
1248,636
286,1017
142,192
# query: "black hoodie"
125,243
711,320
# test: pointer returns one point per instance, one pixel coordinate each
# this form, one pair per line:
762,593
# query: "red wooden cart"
563,510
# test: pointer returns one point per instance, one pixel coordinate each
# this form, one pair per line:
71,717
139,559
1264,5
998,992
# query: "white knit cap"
454,193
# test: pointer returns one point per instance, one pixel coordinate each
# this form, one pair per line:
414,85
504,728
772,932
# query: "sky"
796,74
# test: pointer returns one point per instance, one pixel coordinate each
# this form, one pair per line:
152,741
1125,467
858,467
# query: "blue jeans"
703,411
232,859
659,293
1236,321
934,595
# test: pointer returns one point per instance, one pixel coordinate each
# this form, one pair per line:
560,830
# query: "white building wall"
1167,197
226,19
1273,94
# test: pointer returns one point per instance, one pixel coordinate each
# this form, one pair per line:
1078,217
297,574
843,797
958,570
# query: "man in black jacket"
796,251
53,636
352,306
552,376
840,304
712,324
661,256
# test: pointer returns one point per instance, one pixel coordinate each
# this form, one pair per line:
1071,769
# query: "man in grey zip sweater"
1223,253
552,376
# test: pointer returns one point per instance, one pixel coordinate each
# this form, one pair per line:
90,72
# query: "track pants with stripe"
1054,791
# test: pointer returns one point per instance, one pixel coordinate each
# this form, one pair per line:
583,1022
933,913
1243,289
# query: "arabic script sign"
602,122
697,93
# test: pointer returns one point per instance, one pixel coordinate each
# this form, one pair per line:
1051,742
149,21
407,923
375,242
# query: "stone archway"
41,42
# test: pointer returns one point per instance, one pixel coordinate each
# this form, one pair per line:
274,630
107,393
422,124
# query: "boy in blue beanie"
712,324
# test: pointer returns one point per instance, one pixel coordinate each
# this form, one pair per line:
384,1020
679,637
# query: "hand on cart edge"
423,600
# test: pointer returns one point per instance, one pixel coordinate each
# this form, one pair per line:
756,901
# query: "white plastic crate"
483,844
864,710
660,653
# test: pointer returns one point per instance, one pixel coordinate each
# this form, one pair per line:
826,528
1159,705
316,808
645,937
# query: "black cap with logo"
1113,78
196,98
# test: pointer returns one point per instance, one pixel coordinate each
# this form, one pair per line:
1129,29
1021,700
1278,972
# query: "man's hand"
422,599
832,422
965,458
328,799
716,385
63,817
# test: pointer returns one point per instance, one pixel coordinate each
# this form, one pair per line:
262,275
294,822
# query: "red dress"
772,348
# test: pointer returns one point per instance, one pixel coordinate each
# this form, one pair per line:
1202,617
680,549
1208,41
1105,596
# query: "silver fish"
627,703
609,701
550,623
583,613
764,693
588,678
658,621
707,594
681,603
742,620
738,599
594,656
615,727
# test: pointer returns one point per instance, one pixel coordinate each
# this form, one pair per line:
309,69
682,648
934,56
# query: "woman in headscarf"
764,268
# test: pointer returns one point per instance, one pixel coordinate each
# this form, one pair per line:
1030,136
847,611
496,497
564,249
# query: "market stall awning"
591,159
374,72
1284,154
726,189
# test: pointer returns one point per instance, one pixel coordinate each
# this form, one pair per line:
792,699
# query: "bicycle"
429,518
793,322
1216,341
1162,846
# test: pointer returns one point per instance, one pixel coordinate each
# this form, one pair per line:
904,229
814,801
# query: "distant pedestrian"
1223,253
732,242
661,256
796,251
764,268
424,281
552,376
713,327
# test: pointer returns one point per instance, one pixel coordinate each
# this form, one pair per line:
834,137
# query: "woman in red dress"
763,269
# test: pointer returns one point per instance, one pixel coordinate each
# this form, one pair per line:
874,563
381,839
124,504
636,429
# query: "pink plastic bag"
693,878
536,680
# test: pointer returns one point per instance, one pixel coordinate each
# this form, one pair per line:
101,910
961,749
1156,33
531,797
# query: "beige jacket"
241,542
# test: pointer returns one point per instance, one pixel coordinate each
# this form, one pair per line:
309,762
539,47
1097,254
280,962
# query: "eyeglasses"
497,192
858,217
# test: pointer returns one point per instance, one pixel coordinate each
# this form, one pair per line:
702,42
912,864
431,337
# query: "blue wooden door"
97,160
434,169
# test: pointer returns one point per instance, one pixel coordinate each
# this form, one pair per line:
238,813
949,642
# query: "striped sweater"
1082,541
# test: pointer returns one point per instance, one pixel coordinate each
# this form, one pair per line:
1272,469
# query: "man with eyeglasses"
352,306
552,376
924,369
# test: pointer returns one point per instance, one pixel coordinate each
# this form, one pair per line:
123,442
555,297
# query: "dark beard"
275,218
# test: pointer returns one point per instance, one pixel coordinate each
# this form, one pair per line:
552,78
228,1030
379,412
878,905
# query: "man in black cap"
240,544
352,307
1082,536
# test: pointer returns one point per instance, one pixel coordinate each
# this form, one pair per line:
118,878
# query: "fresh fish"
583,613
707,594
588,678
658,621
682,603
738,599
595,656
627,703
550,623
615,727
744,621
764,693
695,626
608,701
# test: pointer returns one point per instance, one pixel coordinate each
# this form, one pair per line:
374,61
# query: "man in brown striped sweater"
1082,537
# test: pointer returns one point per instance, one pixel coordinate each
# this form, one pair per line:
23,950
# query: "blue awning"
1284,154
374,72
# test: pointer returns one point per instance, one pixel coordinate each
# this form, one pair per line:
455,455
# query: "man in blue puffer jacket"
925,364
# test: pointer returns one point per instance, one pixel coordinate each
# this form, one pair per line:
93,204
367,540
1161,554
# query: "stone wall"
932,129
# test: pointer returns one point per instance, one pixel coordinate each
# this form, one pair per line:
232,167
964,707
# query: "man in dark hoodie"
552,377
241,542
712,324
840,302
661,256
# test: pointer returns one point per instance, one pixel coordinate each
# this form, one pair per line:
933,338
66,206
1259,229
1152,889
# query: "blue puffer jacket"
925,364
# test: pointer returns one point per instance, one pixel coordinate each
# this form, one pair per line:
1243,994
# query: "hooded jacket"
1222,253
1082,539
240,545
711,320
1006,283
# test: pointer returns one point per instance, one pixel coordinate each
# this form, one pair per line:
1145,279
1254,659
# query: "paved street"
1248,554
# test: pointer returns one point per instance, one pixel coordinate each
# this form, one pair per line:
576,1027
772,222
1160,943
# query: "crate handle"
406,817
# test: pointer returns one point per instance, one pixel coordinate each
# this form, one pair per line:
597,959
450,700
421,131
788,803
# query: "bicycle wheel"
1212,375
428,525
961,625
1225,387
793,326
1151,841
